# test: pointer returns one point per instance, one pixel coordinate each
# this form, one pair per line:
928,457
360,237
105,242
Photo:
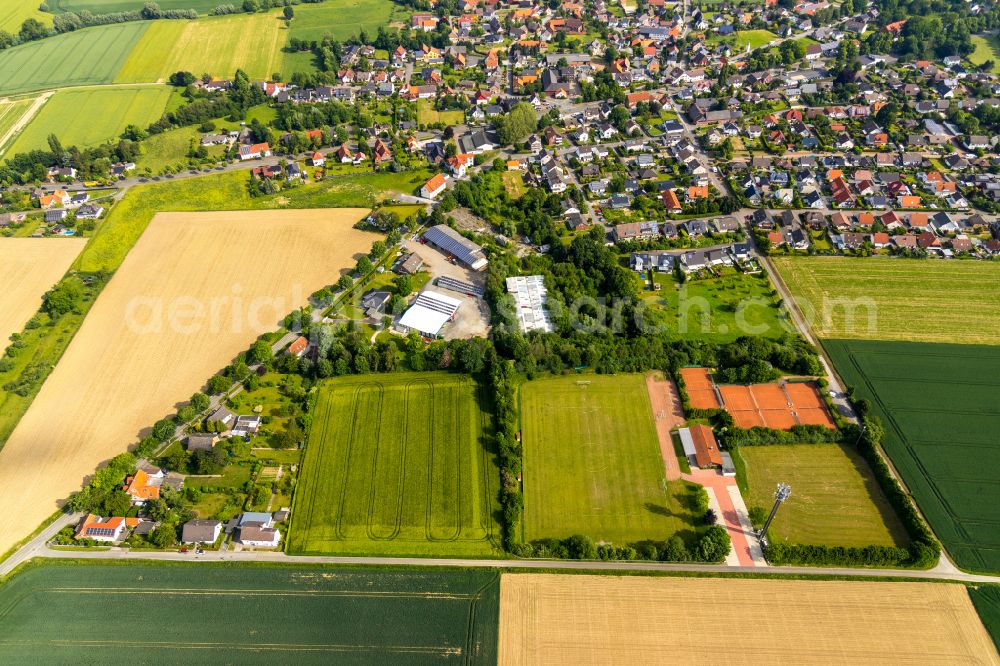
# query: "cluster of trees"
712,546
70,21
755,360
517,125
502,381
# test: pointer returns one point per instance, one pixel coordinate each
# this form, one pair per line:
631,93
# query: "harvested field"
700,388
28,268
778,406
204,614
195,290
548,619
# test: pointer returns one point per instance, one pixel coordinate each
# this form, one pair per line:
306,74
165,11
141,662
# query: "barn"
429,313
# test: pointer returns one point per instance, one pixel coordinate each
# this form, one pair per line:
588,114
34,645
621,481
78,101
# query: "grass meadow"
83,57
939,406
112,6
896,299
835,500
592,463
217,46
987,48
398,464
718,309
342,19
86,118
755,38
249,615
427,115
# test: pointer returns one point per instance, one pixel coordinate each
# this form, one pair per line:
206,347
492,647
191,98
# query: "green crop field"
217,46
83,57
94,614
88,117
112,6
719,309
939,406
835,500
896,299
14,12
342,19
987,48
986,599
10,114
592,463
398,464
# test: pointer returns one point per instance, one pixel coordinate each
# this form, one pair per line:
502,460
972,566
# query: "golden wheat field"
195,290
567,619
28,268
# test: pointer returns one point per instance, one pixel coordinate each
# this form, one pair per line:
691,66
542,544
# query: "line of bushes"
502,381
712,547
797,434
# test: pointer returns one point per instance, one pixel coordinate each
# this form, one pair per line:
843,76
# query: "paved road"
565,565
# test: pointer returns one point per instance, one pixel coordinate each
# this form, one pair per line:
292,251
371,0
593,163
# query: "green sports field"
939,406
83,57
592,463
835,500
217,46
112,6
896,299
398,464
88,117
342,19
205,614
986,599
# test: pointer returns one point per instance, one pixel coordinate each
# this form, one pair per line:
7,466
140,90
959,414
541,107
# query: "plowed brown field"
28,268
567,619
195,290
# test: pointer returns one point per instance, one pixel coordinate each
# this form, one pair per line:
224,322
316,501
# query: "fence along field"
89,117
922,301
217,46
568,619
84,57
398,464
592,462
28,268
143,347
939,406
248,615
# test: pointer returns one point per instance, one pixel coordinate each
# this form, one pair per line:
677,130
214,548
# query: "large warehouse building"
429,313
454,244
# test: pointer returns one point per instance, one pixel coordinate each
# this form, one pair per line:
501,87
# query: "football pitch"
230,614
939,406
398,465
592,463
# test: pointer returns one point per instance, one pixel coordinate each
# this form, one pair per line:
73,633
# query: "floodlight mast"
780,495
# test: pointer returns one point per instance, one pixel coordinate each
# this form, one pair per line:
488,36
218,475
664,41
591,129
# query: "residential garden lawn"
88,117
249,614
278,456
938,404
119,231
11,113
592,463
835,499
718,309
896,299
427,115
210,505
987,48
755,38
513,182
82,57
112,6
275,407
217,46
232,476
342,19
398,464
986,599
262,112
171,148
14,12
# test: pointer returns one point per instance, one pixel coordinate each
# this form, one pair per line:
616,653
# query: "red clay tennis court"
737,398
700,388
769,396
778,406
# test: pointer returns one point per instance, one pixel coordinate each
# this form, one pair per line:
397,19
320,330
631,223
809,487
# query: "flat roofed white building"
429,313
530,298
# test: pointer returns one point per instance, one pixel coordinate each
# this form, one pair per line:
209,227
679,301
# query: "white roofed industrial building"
530,297
429,313
455,244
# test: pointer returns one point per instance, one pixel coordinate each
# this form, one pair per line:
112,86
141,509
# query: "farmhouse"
299,347
144,485
109,530
201,441
201,531
454,244
434,186
530,296
255,151
429,313
699,443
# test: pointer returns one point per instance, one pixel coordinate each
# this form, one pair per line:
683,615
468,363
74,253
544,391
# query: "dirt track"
567,619
668,414
196,290
28,268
